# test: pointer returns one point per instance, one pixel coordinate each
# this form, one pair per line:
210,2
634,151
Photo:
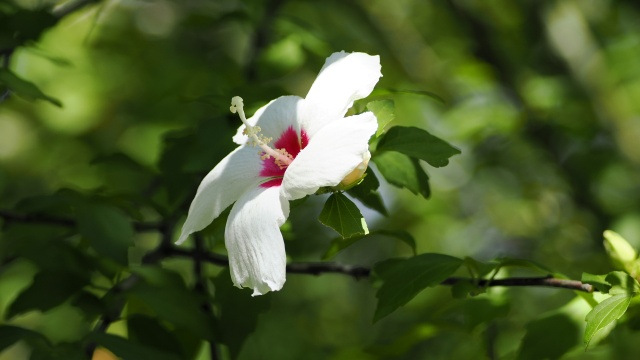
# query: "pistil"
281,157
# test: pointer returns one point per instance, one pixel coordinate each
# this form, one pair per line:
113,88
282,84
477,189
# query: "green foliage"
48,290
385,112
367,192
166,295
107,228
129,350
417,143
343,216
239,313
24,88
605,313
404,279
404,172
338,244
535,344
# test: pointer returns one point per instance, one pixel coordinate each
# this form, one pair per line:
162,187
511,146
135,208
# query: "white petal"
256,250
345,77
274,118
232,177
333,153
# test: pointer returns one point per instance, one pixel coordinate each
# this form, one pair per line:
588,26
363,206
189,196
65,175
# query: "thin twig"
546,281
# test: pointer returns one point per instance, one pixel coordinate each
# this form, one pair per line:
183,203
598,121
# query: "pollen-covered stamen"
282,158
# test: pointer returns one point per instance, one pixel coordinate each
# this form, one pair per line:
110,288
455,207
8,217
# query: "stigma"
281,157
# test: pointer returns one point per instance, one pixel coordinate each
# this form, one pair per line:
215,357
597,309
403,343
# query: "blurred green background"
543,99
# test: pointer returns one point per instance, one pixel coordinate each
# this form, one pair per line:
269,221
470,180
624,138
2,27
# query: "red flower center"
292,143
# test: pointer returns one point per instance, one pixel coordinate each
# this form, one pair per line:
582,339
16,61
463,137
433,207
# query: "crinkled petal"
256,249
333,153
274,118
345,77
228,180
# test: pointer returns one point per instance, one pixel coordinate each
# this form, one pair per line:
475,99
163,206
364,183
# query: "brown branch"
546,281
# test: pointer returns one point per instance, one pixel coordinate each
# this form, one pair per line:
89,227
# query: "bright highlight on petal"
289,149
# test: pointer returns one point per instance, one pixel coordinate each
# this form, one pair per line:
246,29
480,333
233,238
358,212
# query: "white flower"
313,146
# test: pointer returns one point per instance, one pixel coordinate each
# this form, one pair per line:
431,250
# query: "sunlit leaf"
417,143
405,279
605,313
621,253
343,216
385,112
404,172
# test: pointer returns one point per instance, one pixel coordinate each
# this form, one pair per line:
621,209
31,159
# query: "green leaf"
598,281
239,312
403,280
165,293
108,229
343,216
538,341
417,143
126,349
621,253
605,313
24,88
367,192
11,334
48,290
385,112
404,172
150,332
339,244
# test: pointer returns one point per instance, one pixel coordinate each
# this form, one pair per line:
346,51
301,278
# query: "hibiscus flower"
289,149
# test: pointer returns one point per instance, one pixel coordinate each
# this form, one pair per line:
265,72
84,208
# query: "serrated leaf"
339,244
126,349
367,192
48,290
404,172
385,112
24,88
108,229
417,143
239,312
343,216
403,280
605,313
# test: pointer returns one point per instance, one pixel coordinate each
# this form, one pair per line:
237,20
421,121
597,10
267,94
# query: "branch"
55,220
358,272
546,281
